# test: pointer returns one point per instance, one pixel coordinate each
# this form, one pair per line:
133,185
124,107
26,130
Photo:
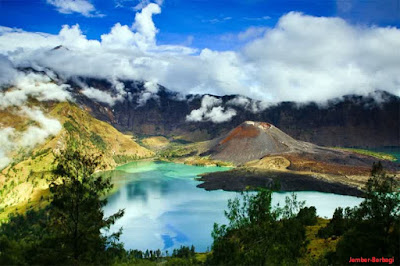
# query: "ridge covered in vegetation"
24,183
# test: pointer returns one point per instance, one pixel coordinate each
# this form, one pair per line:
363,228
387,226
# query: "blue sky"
197,23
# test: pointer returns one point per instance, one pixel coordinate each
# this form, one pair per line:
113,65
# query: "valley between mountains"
287,147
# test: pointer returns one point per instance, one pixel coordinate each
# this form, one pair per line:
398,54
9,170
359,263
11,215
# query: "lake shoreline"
165,208
241,179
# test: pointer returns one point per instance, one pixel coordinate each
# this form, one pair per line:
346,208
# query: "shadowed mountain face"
349,121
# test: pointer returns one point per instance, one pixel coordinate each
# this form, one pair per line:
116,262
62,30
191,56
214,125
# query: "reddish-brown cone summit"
253,140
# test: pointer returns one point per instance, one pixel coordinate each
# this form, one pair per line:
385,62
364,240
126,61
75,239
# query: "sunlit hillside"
26,179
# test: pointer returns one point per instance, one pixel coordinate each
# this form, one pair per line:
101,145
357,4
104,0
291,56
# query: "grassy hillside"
155,143
181,151
24,182
317,247
378,155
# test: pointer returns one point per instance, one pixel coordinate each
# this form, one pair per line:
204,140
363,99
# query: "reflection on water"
164,209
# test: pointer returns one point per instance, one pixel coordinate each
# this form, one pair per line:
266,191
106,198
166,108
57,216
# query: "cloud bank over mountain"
12,140
211,110
302,58
24,87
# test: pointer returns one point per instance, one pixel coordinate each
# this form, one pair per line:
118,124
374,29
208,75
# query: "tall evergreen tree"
72,229
77,220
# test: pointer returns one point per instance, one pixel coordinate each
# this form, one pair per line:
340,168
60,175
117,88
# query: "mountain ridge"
26,178
349,121
353,121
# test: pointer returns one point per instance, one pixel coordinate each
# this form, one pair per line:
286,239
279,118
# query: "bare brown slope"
254,140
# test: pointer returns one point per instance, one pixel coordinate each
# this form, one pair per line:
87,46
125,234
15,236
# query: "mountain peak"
60,47
260,125
252,140
248,129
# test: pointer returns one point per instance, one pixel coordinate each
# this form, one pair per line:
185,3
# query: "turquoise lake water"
164,209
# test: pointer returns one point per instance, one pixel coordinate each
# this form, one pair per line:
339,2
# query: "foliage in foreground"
68,231
371,229
258,234
71,229
182,256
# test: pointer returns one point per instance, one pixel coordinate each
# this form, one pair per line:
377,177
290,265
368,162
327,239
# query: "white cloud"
101,96
8,73
302,58
115,94
343,5
217,20
141,36
83,7
248,104
35,135
189,40
6,145
218,114
151,89
143,3
151,86
211,110
4,159
312,58
4,29
144,24
119,87
242,37
257,18
251,33
17,43
25,86
11,140
33,85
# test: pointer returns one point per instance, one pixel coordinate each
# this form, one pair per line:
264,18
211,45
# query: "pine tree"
77,220
71,230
